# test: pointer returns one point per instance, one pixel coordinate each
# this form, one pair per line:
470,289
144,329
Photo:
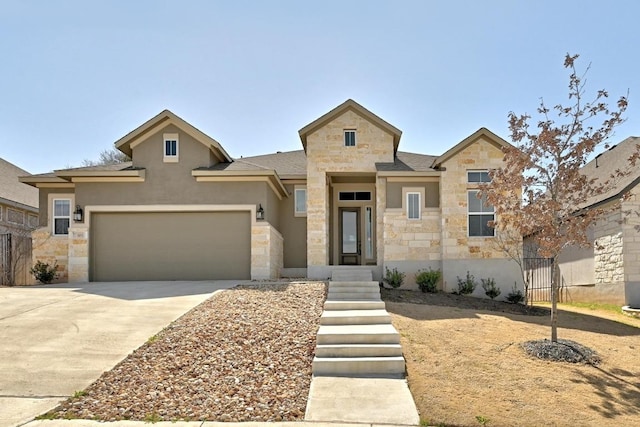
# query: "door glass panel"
349,232
368,231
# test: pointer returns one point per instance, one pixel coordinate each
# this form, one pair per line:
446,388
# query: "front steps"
356,337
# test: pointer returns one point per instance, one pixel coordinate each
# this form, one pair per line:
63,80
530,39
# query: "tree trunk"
555,278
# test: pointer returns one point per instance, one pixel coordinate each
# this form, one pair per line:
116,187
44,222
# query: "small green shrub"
393,277
515,296
467,285
43,272
427,280
490,288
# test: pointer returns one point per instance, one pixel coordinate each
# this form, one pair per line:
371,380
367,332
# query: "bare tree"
540,191
107,157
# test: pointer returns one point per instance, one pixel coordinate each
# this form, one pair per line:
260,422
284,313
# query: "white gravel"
243,355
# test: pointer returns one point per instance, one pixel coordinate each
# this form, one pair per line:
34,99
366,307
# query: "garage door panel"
170,246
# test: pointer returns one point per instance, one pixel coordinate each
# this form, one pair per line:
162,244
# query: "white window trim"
170,137
477,171
414,193
344,137
469,213
54,217
405,201
297,188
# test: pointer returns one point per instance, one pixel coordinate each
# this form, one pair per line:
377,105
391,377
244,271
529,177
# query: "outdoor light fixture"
260,213
77,214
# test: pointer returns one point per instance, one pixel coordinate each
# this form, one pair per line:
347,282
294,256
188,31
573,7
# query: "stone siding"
410,239
266,252
51,249
609,259
78,254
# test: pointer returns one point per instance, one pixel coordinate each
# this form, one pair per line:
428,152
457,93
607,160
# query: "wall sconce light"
260,213
77,214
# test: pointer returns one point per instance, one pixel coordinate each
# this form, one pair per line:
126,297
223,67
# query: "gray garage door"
170,246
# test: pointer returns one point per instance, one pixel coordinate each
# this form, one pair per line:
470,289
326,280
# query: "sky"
76,76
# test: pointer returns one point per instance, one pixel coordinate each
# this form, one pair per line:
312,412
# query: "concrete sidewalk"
57,339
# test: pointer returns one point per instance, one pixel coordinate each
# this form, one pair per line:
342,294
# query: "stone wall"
51,249
78,254
609,259
266,252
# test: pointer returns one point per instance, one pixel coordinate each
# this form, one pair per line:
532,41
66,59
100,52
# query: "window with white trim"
171,147
480,213
61,216
300,201
476,177
413,205
350,138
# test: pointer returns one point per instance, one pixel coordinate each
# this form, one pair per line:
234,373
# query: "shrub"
467,285
393,277
515,296
427,279
490,288
44,272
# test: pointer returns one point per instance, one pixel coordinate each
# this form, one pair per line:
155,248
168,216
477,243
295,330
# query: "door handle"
359,249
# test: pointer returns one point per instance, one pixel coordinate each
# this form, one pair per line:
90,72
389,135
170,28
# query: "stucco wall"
431,191
294,231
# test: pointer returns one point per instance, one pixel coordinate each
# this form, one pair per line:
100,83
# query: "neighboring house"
18,216
18,202
609,271
184,209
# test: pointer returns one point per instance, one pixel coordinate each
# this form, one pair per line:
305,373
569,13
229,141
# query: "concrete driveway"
57,339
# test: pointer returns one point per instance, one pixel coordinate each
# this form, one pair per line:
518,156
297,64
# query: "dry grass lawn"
466,365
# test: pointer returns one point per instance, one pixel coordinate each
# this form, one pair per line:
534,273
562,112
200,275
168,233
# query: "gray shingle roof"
408,162
286,164
607,163
13,190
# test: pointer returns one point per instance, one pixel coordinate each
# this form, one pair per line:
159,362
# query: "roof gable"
350,105
162,120
482,132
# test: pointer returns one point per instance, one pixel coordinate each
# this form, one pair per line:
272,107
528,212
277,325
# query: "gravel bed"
243,355
561,351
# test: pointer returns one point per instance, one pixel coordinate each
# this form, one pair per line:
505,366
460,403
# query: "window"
355,195
478,176
171,147
300,201
15,217
61,216
349,138
479,216
413,205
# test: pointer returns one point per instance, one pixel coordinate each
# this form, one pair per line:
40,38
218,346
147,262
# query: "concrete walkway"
359,370
57,339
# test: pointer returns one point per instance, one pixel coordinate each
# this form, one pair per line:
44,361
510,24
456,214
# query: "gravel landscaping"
243,355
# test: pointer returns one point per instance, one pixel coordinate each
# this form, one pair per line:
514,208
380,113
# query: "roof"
162,120
13,190
350,105
482,132
408,162
289,164
616,158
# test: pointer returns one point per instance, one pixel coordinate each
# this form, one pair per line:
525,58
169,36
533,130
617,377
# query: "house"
18,202
184,209
609,270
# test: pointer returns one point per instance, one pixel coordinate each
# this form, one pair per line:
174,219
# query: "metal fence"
538,275
15,259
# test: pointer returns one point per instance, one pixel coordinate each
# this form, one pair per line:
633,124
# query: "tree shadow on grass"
415,305
618,390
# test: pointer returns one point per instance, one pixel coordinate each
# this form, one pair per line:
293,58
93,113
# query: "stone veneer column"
267,251
317,219
78,254
51,249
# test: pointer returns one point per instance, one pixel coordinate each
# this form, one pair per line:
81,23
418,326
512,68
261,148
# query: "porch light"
77,214
260,213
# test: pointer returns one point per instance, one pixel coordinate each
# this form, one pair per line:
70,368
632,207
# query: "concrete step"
358,350
338,285
358,334
354,304
353,288
344,275
370,295
355,317
379,367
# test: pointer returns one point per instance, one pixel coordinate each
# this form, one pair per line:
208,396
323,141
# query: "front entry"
350,242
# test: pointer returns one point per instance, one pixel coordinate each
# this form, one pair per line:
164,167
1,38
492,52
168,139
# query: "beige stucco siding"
431,192
294,232
170,246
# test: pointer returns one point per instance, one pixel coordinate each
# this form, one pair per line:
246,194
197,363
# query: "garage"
127,246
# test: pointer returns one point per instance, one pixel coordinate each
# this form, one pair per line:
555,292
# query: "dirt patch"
466,364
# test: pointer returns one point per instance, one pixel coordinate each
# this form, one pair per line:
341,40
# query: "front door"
350,249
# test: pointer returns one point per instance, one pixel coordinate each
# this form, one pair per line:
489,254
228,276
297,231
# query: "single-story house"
609,270
183,208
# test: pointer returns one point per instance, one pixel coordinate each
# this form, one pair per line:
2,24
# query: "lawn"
466,366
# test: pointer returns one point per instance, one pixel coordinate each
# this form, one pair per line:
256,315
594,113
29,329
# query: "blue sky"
78,75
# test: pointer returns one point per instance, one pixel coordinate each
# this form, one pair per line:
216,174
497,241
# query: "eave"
270,177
